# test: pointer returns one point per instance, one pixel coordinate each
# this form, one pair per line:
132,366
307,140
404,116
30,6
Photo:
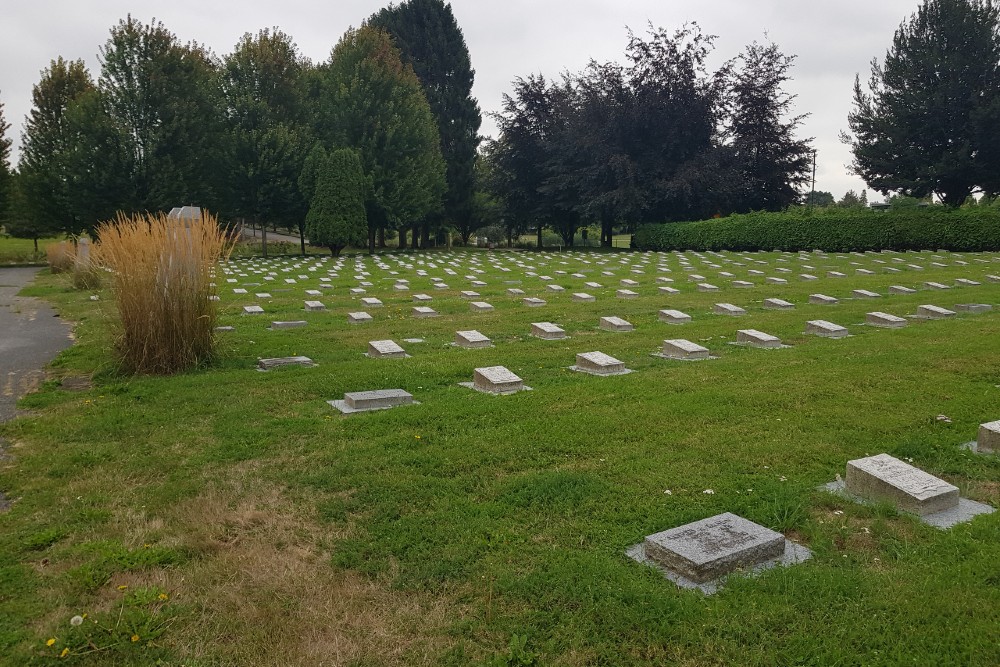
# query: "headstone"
727,309
835,274
822,299
281,362
886,478
471,339
358,318
865,294
598,363
988,439
934,312
755,338
513,291
583,297
668,290
555,288
778,304
965,282
239,291
547,331
497,380
314,306
974,307
382,399
878,319
771,280
705,287
899,289
385,349
808,276
372,302
532,302
742,284
933,285
615,324
713,547
626,294
294,324
253,310
469,294
674,317
422,298
313,292
678,348
826,329
480,307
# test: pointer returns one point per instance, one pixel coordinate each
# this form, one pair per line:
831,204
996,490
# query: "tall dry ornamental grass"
61,256
161,272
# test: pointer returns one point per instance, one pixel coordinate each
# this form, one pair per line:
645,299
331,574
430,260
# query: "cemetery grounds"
229,516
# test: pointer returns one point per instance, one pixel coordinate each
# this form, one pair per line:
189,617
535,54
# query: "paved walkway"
31,335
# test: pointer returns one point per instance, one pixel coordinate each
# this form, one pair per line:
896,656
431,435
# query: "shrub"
61,256
833,230
161,278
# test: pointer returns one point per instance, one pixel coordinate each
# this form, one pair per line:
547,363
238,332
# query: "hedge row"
834,230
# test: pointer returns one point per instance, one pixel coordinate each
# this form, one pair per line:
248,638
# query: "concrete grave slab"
583,297
865,294
533,302
420,312
626,294
292,324
885,320
547,331
253,310
282,362
934,312
615,324
778,304
358,318
480,307
825,329
988,438
701,554
365,401
385,349
372,302
759,339
900,289
684,350
314,306
472,339
495,380
886,478
674,316
598,363
728,309
973,307
822,300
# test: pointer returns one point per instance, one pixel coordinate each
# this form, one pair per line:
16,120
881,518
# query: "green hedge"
833,230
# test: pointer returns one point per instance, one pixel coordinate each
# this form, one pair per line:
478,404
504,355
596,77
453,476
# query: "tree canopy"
336,217
431,41
927,124
373,103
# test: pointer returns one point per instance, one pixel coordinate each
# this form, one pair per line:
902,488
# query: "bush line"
833,230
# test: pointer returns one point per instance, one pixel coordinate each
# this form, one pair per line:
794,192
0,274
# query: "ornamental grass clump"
61,256
161,277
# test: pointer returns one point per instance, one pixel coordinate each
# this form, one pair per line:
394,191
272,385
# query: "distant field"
231,517
22,251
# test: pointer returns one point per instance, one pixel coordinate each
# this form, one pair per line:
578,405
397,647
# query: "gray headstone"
822,300
755,338
879,319
884,477
471,339
674,317
598,363
497,380
547,331
713,547
825,329
281,362
678,348
727,309
385,349
615,324
988,439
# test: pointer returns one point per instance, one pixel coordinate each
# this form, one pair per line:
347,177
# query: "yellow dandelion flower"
64,653
122,587
164,596
135,638
50,642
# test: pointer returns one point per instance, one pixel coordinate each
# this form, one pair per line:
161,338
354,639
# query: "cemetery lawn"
228,516
22,251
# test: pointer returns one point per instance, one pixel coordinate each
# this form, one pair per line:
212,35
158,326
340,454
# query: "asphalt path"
31,335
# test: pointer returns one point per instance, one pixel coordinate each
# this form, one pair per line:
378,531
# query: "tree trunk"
381,236
36,246
402,238
371,240
263,239
415,231
425,235
302,238
539,236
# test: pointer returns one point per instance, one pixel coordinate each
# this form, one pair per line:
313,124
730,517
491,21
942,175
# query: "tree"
164,98
430,40
374,104
851,199
928,124
5,174
774,164
819,198
262,81
49,138
336,217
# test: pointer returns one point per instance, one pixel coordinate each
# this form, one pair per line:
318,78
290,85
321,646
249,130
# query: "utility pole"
812,192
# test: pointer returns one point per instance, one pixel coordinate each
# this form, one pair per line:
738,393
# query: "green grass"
474,529
22,251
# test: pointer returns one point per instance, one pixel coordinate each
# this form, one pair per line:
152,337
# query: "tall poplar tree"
371,102
5,172
336,217
430,39
928,123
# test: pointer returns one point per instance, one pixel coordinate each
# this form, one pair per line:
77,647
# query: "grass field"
231,517
22,251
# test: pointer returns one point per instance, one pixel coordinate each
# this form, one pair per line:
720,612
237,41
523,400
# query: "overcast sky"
510,38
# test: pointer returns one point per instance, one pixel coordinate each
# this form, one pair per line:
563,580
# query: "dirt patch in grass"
263,591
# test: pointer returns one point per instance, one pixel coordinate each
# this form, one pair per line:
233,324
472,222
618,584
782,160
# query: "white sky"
833,41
